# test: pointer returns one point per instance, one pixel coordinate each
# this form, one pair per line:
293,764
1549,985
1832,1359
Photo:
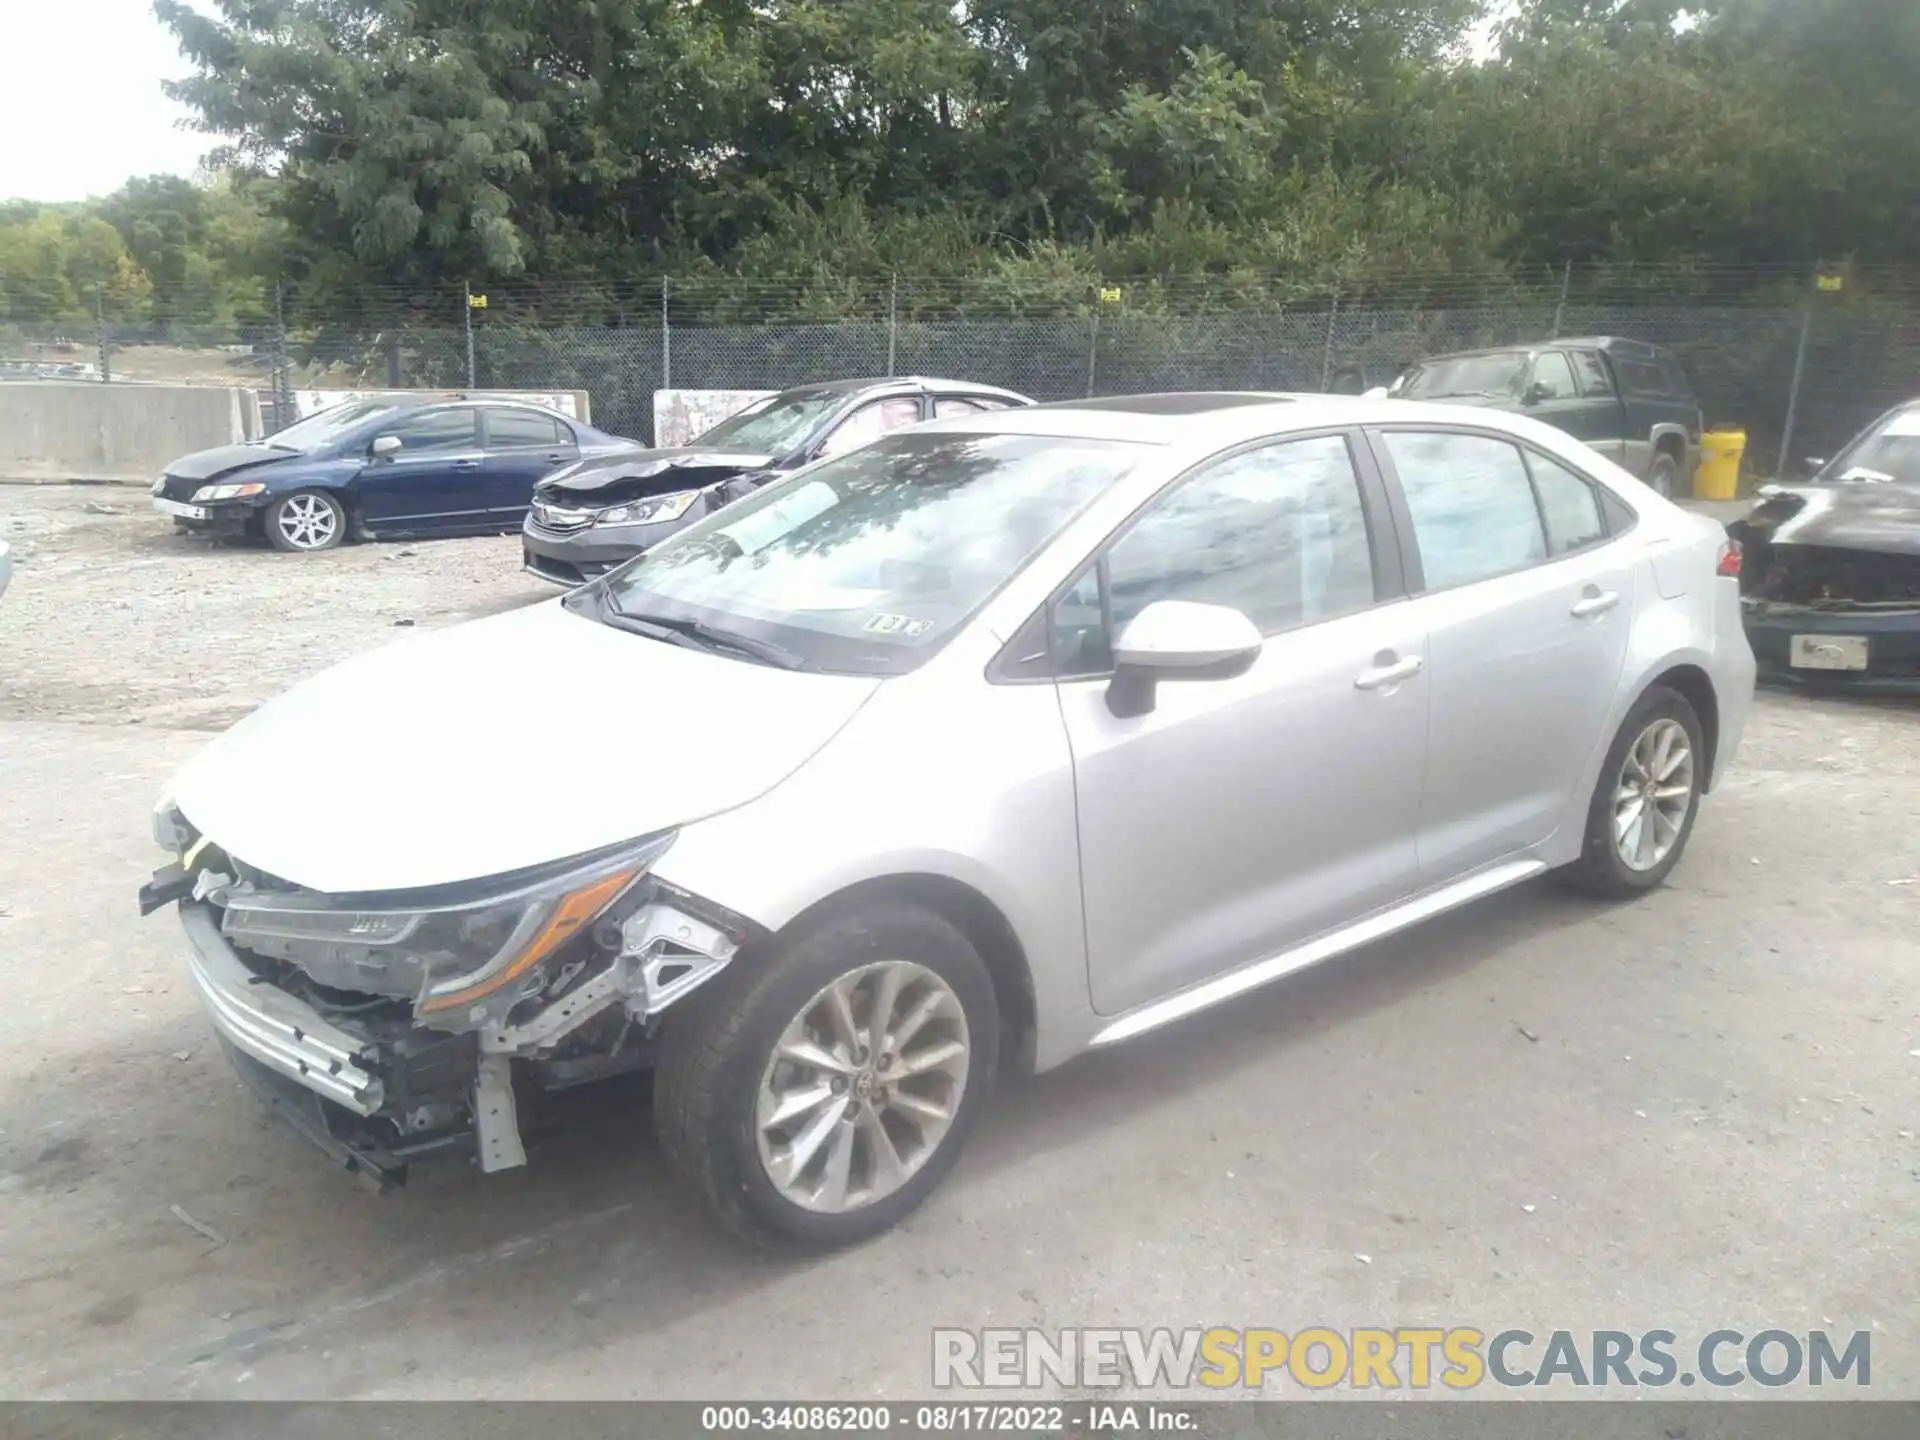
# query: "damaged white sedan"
1019,734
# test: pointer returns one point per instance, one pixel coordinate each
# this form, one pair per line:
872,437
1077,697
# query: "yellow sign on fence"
1831,282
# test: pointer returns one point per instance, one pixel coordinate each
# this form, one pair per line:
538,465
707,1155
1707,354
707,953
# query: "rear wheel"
1663,476
306,520
1645,800
816,1097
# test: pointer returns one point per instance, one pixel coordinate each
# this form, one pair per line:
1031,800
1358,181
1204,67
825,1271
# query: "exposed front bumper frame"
280,1031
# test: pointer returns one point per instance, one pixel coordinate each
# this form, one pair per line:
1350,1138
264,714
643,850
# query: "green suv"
1628,400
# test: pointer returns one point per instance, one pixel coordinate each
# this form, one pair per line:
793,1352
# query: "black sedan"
587,518
1830,570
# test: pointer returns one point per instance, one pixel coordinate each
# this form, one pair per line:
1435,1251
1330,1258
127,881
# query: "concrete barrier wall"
57,430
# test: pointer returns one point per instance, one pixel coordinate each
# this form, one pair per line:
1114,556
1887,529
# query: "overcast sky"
80,102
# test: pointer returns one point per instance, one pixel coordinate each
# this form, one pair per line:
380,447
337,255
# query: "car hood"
1877,515
679,467
225,459
497,745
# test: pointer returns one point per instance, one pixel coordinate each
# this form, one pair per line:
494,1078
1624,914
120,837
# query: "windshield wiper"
699,635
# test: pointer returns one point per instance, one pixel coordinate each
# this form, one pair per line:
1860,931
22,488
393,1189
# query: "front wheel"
306,520
1645,800
815,1095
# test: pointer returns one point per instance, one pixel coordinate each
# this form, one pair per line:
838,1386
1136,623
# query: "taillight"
1729,563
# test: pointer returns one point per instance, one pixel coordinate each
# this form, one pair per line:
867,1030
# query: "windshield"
326,427
1495,376
1888,451
774,425
866,564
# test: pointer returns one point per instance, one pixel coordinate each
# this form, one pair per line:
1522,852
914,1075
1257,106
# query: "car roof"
1215,419
902,384
1613,344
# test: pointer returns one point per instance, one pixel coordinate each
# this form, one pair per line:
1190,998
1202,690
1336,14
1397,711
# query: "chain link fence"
1761,346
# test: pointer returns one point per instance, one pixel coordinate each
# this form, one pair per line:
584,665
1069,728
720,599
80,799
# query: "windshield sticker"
884,624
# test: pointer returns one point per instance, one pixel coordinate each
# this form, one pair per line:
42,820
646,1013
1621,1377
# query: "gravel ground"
114,617
1693,1111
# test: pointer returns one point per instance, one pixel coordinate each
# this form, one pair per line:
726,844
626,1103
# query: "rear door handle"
1381,676
1598,603
466,464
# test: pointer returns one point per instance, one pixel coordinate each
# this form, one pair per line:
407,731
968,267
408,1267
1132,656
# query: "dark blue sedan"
379,469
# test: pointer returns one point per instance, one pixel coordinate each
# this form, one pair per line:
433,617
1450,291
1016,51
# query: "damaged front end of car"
1830,585
393,1028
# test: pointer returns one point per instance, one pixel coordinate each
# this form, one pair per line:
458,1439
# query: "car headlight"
650,511
227,492
459,960
158,487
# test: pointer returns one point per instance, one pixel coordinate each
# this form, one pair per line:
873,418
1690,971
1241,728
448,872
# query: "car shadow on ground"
596,1237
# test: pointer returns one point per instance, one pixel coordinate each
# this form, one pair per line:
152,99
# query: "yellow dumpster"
1718,477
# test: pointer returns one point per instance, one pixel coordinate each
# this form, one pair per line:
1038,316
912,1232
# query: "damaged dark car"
599,513
1830,570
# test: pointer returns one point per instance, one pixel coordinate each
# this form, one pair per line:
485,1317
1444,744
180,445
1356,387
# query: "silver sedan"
1005,737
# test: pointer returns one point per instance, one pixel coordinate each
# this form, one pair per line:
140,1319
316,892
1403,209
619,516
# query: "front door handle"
1595,602
1378,677
466,464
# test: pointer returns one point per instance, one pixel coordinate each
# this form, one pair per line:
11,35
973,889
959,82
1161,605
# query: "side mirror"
1178,640
1815,465
384,446
1378,392
1536,392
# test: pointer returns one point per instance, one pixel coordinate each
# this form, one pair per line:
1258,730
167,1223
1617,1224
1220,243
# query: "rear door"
521,446
1241,816
1528,609
433,482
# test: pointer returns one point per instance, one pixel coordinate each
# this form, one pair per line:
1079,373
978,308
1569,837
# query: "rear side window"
1620,516
1651,377
1568,504
1594,376
1472,505
523,430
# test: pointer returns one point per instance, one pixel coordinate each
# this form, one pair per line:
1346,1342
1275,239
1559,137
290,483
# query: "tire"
305,521
1602,868
1663,476
717,1081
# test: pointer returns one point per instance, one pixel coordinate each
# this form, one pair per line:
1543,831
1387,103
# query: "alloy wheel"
862,1087
308,522
1652,795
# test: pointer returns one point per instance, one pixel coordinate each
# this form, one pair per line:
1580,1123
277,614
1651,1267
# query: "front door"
1240,816
1606,432
432,483
1528,609
522,446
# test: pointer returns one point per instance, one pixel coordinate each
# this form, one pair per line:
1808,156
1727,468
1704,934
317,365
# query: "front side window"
1276,533
1552,377
870,422
431,430
1473,511
867,563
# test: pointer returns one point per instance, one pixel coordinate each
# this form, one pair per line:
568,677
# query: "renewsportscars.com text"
1401,1357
